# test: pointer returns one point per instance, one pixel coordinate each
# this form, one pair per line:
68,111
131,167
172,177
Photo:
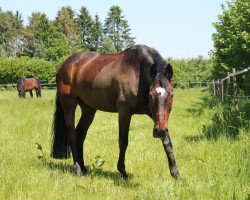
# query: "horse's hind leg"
69,107
31,94
85,121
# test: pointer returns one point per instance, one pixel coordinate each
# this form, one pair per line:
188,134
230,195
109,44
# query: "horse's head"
20,88
160,99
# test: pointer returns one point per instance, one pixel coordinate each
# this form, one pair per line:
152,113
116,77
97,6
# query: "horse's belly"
103,100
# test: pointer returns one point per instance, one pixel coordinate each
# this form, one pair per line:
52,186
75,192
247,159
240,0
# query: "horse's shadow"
111,175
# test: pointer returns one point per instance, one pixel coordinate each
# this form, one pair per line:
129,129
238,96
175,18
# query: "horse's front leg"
124,122
31,94
166,141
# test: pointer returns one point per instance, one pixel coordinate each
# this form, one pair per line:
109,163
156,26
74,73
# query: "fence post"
236,108
222,91
227,91
218,88
213,84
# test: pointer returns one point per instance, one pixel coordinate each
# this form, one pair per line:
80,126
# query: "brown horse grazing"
134,81
27,85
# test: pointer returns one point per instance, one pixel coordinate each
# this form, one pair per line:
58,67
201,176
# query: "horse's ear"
153,71
169,71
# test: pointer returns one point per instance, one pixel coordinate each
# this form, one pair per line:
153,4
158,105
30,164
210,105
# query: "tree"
232,38
117,29
44,33
85,26
97,34
108,46
43,40
190,70
66,24
10,33
29,43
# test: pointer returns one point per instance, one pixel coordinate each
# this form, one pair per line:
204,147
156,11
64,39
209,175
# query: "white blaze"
160,90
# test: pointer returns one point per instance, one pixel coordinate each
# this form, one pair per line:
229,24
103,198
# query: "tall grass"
211,167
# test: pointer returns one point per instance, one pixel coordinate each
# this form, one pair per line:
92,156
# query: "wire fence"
12,86
51,86
234,87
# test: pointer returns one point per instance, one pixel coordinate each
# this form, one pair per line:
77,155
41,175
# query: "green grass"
211,167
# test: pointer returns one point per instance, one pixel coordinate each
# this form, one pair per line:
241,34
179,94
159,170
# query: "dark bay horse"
134,81
27,85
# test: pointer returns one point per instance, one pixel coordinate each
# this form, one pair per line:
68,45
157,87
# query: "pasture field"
213,166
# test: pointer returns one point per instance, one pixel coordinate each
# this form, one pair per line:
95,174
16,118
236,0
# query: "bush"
14,68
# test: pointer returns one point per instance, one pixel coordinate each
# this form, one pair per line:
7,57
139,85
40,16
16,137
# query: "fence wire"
234,87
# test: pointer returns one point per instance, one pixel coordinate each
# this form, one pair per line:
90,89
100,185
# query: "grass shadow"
115,176
60,166
117,179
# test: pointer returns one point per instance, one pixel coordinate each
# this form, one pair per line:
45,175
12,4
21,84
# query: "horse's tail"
39,93
60,142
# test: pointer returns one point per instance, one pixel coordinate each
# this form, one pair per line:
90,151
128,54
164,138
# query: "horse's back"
30,84
91,77
101,80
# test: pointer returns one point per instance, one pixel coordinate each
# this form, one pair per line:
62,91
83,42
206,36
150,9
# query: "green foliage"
97,34
117,29
66,24
190,70
97,164
14,68
232,38
29,42
230,123
85,25
10,27
42,154
108,46
68,33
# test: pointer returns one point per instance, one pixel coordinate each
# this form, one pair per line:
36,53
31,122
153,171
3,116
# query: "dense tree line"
191,72
67,33
51,41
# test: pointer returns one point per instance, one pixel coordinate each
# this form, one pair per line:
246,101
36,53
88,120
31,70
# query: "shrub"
14,68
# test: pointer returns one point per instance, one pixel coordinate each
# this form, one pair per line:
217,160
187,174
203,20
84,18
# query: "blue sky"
176,28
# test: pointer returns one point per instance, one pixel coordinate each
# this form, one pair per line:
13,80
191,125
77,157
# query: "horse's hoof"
84,171
124,175
176,177
77,169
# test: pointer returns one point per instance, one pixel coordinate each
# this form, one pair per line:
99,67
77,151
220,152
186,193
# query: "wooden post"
213,83
228,85
218,88
222,91
236,108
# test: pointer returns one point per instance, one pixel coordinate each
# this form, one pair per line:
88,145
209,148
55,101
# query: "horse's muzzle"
157,133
